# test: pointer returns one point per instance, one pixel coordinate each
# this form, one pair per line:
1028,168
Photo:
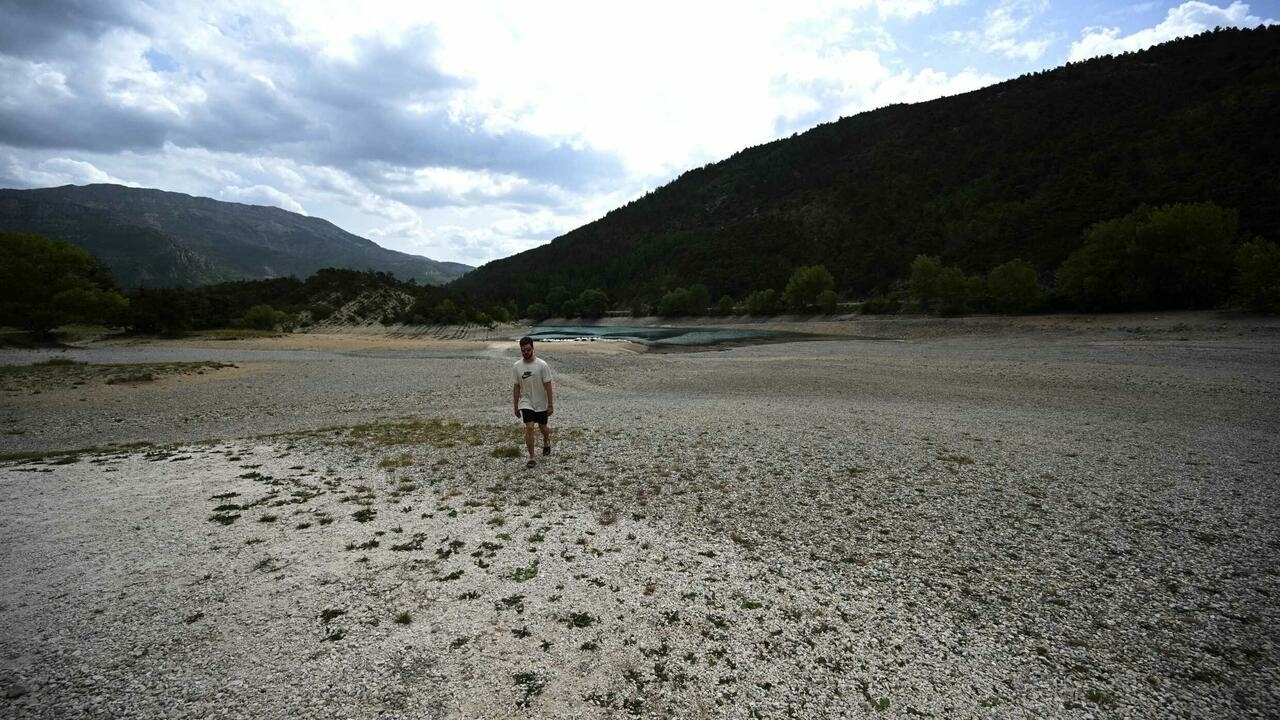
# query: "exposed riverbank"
1006,517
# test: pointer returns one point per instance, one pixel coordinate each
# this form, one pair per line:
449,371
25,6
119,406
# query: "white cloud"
907,9
58,171
1190,18
1004,29
262,195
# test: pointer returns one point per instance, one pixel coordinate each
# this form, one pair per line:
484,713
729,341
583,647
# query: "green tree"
725,307
1258,275
46,283
699,299
923,282
537,311
593,303
446,312
1011,287
1174,256
675,303
806,283
263,317
828,301
763,302
556,298
952,291
165,311
693,300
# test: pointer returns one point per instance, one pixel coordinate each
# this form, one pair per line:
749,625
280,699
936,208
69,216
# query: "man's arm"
515,399
550,404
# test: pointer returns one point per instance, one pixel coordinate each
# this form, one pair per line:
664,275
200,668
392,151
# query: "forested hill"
1016,170
155,238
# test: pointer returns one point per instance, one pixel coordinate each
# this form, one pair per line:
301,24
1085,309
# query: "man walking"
531,397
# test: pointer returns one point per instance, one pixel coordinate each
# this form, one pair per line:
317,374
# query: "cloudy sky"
474,130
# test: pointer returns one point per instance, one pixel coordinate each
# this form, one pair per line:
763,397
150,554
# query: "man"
531,397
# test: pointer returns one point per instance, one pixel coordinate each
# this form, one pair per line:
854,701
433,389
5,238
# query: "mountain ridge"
1018,169
160,238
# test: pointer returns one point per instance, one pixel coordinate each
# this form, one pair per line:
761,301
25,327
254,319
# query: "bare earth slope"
1048,517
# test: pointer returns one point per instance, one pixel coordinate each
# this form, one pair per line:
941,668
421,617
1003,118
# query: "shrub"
1175,256
763,302
828,301
725,307
446,313
262,317
881,305
692,300
1257,265
923,282
1011,287
593,303
952,290
806,283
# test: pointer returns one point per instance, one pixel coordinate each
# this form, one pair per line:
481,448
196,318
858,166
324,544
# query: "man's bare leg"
528,441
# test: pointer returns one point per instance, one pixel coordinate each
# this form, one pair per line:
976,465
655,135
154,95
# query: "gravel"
985,517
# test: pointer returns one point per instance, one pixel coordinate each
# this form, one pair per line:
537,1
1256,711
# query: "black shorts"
533,416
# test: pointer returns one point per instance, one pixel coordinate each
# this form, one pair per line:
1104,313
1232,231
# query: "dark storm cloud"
385,103
27,27
100,129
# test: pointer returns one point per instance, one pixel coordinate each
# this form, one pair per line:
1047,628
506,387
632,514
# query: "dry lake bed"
1072,517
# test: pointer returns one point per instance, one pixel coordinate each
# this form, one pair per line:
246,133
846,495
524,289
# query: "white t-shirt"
530,377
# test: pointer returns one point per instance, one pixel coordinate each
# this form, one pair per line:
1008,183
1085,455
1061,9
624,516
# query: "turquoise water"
674,337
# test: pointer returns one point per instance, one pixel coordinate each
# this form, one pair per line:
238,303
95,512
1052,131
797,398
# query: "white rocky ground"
975,518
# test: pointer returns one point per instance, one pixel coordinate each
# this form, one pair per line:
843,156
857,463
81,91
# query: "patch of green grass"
957,459
524,574
392,462
506,451
61,373
364,514
579,620
403,618
531,685
224,518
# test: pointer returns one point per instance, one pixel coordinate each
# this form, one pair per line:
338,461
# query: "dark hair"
526,340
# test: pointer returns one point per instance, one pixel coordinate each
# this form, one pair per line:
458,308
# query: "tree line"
1179,256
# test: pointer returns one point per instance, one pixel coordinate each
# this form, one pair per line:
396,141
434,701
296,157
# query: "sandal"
531,464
